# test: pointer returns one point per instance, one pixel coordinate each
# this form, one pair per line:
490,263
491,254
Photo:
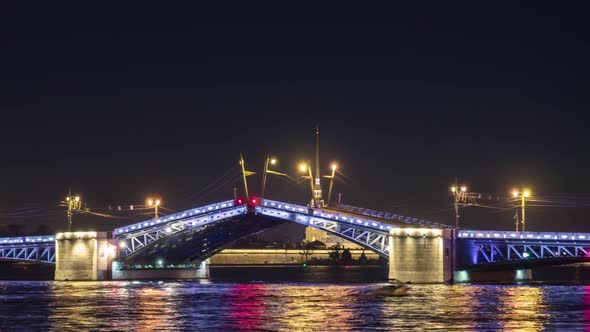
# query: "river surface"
228,304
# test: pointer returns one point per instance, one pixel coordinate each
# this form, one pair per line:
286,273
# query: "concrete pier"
420,255
83,256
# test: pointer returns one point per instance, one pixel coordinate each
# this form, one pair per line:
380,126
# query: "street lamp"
269,161
459,195
155,203
333,167
304,167
74,204
523,194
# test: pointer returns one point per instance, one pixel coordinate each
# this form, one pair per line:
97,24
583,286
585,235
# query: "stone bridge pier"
84,255
88,256
421,255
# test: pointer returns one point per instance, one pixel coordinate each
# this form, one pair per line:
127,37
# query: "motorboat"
391,290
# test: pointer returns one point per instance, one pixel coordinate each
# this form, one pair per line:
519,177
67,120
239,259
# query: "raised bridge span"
188,238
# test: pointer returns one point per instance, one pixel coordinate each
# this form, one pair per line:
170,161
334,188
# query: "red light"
239,201
254,201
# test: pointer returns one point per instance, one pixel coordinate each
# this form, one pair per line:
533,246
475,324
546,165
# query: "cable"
211,184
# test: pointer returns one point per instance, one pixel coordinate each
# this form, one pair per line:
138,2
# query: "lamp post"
155,203
269,161
334,167
74,204
459,195
245,174
302,168
523,194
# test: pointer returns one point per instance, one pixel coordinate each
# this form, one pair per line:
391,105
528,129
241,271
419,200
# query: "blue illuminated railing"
532,236
176,216
330,214
27,239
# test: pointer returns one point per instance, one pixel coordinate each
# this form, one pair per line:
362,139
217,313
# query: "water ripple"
176,306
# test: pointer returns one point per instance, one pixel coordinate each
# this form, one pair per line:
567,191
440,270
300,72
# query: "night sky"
129,102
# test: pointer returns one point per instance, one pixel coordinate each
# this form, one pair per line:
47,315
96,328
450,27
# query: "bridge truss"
134,238
496,246
29,248
369,233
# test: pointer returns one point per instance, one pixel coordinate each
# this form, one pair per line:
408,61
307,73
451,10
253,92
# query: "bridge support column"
83,256
420,255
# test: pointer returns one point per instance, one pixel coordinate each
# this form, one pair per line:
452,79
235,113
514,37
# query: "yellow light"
67,199
273,161
157,202
302,167
515,193
334,166
453,189
77,198
463,189
150,202
526,193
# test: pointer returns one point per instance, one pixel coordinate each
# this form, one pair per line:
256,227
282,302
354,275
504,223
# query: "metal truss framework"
368,233
42,252
132,242
499,251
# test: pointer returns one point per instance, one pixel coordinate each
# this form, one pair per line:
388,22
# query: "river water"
227,304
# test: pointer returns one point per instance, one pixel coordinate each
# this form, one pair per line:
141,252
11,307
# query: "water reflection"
305,308
247,308
111,306
73,306
151,306
156,310
521,308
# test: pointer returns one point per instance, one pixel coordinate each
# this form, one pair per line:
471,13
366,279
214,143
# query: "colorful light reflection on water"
164,306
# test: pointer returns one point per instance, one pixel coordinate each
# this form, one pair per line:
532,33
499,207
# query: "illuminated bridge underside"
197,234
39,249
196,244
489,247
134,238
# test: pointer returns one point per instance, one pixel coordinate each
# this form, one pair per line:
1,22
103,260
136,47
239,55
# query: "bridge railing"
532,236
285,206
329,214
390,216
27,239
176,216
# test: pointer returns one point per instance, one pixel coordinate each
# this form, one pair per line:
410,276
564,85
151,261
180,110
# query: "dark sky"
125,102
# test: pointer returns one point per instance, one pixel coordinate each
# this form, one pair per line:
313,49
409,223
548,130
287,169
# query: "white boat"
391,290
